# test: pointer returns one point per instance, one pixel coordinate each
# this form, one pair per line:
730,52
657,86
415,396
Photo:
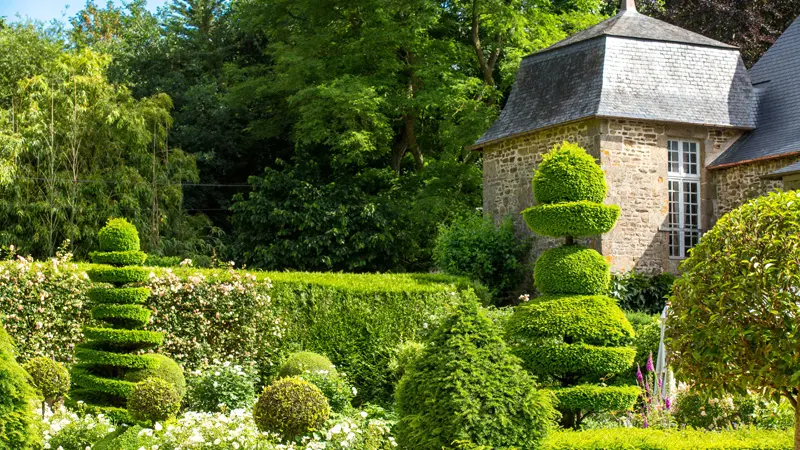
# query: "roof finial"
628,5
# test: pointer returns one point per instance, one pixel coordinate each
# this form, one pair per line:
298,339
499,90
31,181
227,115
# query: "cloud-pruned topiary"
110,361
466,387
573,336
301,362
153,400
17,421
50,378
291,407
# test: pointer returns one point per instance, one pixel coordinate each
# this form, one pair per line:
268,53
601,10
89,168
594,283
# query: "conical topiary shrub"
112,353
466,389
573,336
18,429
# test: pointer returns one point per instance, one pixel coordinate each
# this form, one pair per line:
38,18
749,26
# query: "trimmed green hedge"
357,320
591,319
128,316
569,174
128,258
119,295
559,360
571,269
597,398
129,339
118,275
118,235
652,439
571,219
85,353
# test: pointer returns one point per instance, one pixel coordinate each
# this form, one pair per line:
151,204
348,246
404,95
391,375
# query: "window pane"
674,244
674,204
691,199
674,157
690,239
690,158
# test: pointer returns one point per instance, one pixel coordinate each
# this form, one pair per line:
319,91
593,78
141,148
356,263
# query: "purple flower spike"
667,403
639,376
649,367
646,423
660,383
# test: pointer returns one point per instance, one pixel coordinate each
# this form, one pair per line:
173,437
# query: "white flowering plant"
221,387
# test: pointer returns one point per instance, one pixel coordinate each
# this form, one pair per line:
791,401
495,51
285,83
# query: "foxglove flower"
649,367
639,376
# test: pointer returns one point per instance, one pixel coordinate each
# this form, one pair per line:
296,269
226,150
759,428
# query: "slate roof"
629,66
791,169
631,24
776,77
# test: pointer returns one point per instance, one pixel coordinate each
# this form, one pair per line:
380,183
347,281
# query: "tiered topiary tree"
573,336
111,359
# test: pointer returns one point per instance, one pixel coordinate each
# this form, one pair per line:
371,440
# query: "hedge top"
118,235
569,174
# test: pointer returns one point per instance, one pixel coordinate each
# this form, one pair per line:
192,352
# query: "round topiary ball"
572,269
51,378
569,174
153,400
167,370
302,362
118,235
291,407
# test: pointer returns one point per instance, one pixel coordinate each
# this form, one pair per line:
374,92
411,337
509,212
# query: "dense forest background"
281,134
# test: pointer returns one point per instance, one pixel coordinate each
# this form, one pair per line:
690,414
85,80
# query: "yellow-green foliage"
49,377
573,343
153,400
291,407
571,269
653,439
571,219
166,369
118,235
569,174
301,362
466,386
17,421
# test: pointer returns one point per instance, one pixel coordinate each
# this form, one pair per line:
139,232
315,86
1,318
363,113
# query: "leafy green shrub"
569,174
653,439
647,332
291,407
474,247
153,400
222,387
130,258
118,235
49,377
733,321
571,219
640,292
405,355
466,386
571,269
697,410
573,337
166,369
301,362
118,275
335,387
17,396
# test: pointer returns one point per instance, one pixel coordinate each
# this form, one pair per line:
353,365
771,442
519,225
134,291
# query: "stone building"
682,129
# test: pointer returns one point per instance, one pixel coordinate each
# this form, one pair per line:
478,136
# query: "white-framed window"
684,197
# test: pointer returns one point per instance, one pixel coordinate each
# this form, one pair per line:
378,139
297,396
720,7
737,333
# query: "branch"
476,44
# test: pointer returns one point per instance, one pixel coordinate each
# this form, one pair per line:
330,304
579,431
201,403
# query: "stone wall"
633,154
508,170
735,185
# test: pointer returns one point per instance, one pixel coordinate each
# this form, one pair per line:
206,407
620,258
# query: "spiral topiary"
573,336
18,429
50,378
301,362
291,407
110,361
153,400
